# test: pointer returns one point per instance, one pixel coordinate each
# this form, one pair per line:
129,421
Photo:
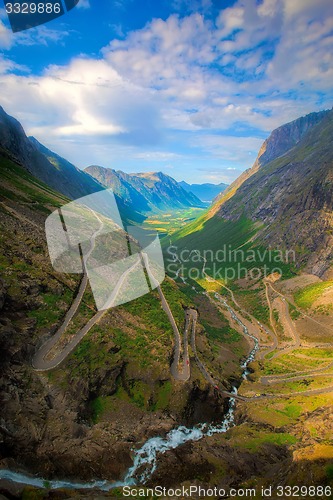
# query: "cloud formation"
187,87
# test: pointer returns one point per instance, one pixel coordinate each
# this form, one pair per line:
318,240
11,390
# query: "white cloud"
230,19
218,175
304,54
260,65
6,37
230,149
163,51
40,35
83,4
294,8
85,98
269,8
7,66
156,156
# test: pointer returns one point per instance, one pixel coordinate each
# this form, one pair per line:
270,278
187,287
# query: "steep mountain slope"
287,196
113,390
83,420
277,144
50,168
148,192
121,184
205,192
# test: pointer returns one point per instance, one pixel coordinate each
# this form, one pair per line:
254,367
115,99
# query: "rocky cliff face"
280,141
286,137
289,192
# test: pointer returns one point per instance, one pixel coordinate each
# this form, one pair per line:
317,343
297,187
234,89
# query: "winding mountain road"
286,319
180,367
40,361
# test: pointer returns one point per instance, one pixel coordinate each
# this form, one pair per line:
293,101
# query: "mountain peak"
287,196
285,137
148,191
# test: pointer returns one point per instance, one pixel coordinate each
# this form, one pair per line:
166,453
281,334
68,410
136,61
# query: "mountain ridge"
287,191
280,140
51,168
206,192
148,191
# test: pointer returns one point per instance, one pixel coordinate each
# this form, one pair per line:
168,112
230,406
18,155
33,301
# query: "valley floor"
114,390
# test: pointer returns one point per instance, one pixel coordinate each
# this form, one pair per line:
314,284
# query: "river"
145,459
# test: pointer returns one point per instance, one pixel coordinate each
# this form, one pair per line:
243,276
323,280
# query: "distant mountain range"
148,192
286,197
52,169
119,375
136,194
205,192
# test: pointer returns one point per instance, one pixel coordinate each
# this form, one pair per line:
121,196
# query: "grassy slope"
24,187
140,329
307,296
302,183
211,237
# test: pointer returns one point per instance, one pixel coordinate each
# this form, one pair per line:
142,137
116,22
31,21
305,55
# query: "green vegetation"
291,363
213,233
253,302
329,472
292,410
163,396
228,249
17,182
280,439
99,406
293,311
151,397
284,412
315,352
135,391
80,319
144,338
26,268
225,334
31,493
307,296
303,385
140,392
169,222
53,308
252,439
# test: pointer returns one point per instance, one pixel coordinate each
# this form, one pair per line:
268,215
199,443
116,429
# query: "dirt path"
302,312
290,327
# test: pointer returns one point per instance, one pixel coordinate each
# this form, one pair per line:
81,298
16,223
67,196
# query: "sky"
187,87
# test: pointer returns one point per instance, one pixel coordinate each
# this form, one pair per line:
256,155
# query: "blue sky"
191,88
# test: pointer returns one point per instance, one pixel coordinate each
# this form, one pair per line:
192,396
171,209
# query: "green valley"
254,324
